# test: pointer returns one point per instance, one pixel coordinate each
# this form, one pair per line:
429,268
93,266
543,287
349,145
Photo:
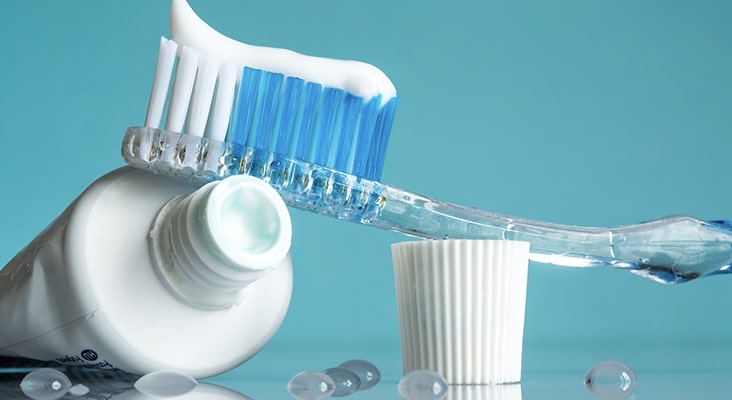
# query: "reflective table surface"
693,371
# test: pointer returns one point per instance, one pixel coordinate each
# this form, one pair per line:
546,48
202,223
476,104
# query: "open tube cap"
461,308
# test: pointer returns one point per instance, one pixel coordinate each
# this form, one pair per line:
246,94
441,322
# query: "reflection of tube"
143,273
110,385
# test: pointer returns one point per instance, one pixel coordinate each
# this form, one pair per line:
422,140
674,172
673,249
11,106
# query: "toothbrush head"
330,113
316,129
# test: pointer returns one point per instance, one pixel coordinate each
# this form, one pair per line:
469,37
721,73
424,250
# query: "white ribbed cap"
461,307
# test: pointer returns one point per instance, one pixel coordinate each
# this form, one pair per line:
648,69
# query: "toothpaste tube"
144,273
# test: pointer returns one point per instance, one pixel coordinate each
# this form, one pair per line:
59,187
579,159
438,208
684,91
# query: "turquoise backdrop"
585,112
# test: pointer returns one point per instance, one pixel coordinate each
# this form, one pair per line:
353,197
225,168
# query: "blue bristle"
288,114
306,120
328,115
324,126
267,105
343,144
244,111
381,139
362,148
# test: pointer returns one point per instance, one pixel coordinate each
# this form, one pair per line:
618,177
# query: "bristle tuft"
281,114
161,82
224,99
323,126
185,76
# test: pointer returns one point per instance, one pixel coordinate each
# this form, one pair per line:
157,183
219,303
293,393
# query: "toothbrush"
274,114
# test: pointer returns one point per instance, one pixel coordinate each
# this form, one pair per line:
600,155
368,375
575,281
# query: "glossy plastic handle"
669,250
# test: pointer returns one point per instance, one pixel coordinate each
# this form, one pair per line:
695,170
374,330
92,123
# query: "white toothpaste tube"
144,273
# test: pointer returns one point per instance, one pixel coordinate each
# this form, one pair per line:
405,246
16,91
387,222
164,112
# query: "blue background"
581,112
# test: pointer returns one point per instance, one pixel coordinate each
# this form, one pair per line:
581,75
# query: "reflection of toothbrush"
324,168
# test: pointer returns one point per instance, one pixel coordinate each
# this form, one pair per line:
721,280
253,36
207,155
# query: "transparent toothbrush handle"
669,250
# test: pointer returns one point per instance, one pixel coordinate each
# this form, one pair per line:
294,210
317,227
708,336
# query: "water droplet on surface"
366,371
79,390
311,385
422,384
346,381
45,384
165,384
611,380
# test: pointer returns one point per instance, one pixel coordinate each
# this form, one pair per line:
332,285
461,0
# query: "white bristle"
161,82
203,91
223,103
185,76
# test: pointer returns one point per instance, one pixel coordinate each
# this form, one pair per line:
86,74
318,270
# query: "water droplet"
346,381
611,380
45,384
165,384
311,385
366,371
422,384
79,390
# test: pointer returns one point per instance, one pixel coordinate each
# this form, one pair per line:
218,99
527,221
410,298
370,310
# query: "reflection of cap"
484,392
